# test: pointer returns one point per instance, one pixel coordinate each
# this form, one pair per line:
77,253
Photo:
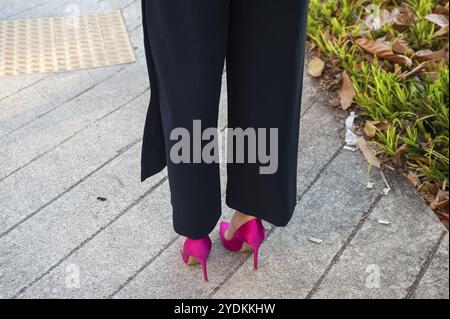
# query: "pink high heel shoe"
249,236
197,251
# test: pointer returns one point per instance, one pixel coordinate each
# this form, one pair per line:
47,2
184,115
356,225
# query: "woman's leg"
186,45
265,71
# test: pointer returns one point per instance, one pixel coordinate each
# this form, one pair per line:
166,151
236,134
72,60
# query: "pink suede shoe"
249,236
197,251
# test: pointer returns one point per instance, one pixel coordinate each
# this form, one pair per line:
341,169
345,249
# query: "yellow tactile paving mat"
57,44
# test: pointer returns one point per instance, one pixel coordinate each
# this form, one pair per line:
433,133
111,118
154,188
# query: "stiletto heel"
197,251
205,272
249,236
255,258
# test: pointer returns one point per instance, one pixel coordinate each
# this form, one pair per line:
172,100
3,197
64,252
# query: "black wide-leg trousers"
187,43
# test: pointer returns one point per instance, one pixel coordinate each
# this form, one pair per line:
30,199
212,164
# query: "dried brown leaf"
429,190
400,46
370,128
368,153
383,126
334,102
429,55
441,10
381,49
413,178
404,19
347,91
316,67
441,200
398,155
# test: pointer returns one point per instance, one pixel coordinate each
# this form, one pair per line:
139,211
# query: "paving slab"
290,263
435,284
41,242
112,256
14,85
320,138
59,171
11,8
382,261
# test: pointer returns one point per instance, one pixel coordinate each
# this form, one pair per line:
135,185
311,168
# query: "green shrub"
416,107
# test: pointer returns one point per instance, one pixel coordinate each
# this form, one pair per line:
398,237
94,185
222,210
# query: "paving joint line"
99,231
39,156
411,291
86,127
22,89
143,267
126,148
26,10
273,228
62,104
139,95
306,110
340,252
128,5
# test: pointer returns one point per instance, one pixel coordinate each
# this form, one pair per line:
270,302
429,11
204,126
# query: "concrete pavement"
67,139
